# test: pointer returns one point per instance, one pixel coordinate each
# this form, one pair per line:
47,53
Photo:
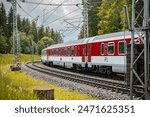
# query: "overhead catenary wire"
35,7
42,10
52,4
50,12
62,17
53,10
73,31
38,16
24,10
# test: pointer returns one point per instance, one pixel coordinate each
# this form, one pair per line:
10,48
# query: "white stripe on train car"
118,63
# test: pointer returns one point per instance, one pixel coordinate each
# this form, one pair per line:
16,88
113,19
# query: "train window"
55,52
72,51
83,51
75,50
68,51
60,51
63,51
111,48
52,52
89,49
121,47
102,48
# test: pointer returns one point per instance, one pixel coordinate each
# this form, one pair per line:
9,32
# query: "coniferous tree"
10,22
3,18
28,32
93,19
111,20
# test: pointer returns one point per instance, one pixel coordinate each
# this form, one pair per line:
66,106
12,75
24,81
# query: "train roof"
104,37
111,36
69,43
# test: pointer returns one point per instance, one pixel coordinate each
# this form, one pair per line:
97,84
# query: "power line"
53,10
43,9
24,10
35,7
62,16
29,2
73,31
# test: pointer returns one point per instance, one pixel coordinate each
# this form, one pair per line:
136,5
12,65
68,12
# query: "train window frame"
102,44
60,52
83,50
52,52
72,51
89,47
110,46
56,52
76,47
68,51
64,51
124,48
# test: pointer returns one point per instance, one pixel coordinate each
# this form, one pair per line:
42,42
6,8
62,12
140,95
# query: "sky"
65,19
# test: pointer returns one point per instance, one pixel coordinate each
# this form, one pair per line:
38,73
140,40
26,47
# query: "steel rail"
112,85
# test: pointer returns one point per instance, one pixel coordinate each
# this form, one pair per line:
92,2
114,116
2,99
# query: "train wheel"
108,71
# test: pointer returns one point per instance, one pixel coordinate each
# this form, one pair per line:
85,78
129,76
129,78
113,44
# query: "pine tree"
3,18
4,39
93,19
40,32
10,22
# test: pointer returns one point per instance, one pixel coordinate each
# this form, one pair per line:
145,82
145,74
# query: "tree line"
28,33
108,16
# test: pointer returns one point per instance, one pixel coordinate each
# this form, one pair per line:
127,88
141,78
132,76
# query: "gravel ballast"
100,93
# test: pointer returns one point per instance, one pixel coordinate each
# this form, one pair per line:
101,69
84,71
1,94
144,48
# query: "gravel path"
100,93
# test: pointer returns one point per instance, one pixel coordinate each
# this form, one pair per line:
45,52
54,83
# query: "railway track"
113,85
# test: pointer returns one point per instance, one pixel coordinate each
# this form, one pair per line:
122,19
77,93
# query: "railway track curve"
113,85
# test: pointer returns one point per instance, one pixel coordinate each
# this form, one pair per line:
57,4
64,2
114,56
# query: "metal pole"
146,48
14,29
127,16
15,32
85,11
16,42
132,50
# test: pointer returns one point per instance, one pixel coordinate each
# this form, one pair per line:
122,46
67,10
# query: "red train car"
103,54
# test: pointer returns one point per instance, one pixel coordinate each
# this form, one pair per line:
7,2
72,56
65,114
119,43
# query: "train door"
83,53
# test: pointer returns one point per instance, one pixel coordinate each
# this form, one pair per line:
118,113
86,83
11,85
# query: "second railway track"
113,85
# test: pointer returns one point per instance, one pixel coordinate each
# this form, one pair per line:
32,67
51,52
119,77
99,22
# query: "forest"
106,16
28,32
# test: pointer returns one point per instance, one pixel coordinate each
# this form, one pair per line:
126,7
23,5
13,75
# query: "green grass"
19,86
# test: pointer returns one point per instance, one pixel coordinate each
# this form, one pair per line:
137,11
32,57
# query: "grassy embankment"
18,85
